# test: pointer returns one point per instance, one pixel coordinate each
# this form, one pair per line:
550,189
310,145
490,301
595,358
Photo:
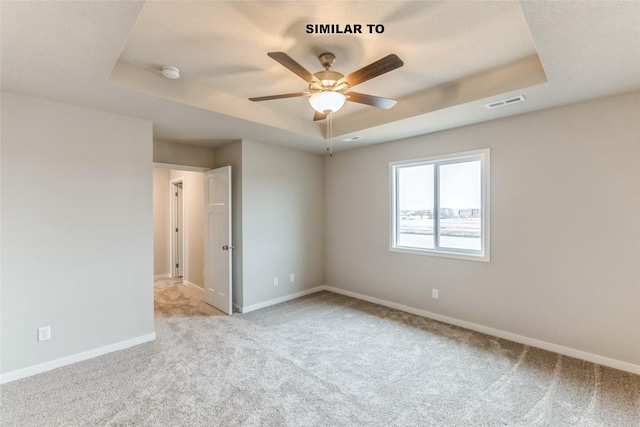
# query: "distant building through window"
440,205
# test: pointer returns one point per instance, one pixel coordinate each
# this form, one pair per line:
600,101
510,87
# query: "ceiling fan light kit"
327,101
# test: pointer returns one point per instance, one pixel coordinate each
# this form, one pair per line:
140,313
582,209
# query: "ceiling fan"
328,89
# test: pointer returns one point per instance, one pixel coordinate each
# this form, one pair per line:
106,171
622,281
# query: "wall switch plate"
275,281
293,277
434,293
44,333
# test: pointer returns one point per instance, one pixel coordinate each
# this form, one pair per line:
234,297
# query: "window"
440,206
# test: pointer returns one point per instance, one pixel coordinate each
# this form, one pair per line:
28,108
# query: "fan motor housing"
328,78
327,59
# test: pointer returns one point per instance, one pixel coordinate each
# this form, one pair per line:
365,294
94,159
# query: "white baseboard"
247,309
79,357
566,351
162,276
193,285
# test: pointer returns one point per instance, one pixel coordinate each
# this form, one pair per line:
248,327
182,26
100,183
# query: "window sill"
442,254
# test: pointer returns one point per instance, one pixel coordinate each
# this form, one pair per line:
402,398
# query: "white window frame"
484,253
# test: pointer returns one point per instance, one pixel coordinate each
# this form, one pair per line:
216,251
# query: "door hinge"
176,229
176,194
177,265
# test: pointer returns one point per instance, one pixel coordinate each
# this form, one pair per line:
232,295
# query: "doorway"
184,212
179,233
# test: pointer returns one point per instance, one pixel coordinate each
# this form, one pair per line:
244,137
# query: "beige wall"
183,154
282,221
77,228
161,223
565,235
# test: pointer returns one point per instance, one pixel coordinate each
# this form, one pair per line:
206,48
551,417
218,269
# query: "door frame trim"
172,227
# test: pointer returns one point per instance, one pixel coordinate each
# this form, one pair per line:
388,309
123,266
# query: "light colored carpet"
324,360
174,299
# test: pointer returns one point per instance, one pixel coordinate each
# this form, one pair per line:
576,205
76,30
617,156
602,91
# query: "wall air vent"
507,101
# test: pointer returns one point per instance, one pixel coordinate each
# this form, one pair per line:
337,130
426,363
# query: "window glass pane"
460,205
415,206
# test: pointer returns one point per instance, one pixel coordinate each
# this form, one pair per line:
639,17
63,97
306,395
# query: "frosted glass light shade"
327,101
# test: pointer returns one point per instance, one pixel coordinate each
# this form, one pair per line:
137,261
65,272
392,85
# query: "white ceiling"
458,56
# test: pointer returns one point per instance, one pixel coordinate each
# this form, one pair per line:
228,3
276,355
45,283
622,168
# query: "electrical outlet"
44,333
434,293
293,277
275,281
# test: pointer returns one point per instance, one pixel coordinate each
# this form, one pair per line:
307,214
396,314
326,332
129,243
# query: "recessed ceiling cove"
453,53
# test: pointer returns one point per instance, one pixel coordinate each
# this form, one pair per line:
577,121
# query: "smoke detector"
170,72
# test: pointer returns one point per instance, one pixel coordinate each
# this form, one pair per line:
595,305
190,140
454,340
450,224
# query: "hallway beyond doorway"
172,298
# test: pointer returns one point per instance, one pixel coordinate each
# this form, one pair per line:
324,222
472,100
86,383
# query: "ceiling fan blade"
319,116
375,101
284,95
375,69
288,62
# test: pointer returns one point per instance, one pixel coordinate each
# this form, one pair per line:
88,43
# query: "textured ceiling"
224,45
458,56
221,50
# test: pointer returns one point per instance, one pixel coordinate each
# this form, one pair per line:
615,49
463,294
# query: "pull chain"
330,132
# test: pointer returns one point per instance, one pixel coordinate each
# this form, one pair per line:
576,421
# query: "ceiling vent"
507,101
353,138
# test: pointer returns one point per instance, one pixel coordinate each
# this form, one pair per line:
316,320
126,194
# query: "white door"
218,243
